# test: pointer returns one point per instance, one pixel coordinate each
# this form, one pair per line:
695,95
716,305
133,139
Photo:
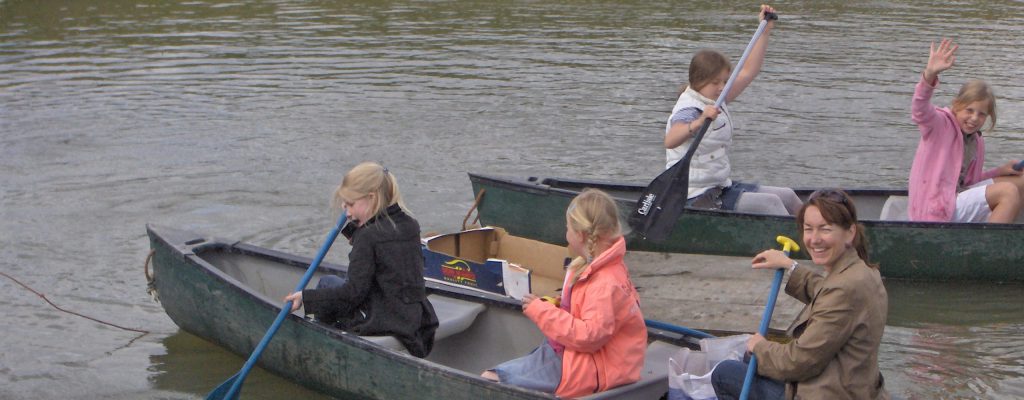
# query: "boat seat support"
453,316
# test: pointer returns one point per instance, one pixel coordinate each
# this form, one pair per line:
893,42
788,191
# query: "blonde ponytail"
595,214
365,179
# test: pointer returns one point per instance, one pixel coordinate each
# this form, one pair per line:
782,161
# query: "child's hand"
710,112
940,59
764,10
296,299
527,299
1007,169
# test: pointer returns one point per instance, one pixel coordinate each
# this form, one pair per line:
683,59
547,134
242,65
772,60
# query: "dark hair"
705,66
836,208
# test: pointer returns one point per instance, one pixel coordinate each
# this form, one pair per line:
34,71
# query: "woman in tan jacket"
834,354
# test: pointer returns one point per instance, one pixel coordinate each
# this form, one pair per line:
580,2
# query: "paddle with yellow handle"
788,246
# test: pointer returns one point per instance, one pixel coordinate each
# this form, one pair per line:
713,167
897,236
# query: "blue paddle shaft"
236,380
1019,165
766,319
682,330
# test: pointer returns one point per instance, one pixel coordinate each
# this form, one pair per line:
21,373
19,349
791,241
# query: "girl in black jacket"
383,293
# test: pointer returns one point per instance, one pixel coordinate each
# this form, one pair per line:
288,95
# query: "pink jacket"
604,334
940,153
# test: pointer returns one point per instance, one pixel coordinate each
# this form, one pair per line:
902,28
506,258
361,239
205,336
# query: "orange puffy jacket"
604,334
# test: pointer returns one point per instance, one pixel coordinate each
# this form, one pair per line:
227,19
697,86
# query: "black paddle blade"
661,203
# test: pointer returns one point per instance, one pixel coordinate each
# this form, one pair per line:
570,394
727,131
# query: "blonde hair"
705,66
594,214
976,90
365,179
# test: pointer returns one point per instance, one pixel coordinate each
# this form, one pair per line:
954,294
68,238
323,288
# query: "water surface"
237,119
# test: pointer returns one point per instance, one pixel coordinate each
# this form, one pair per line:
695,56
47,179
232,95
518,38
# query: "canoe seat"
894,209
453,316
653,377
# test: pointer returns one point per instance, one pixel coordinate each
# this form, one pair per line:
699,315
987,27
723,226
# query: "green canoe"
229,293
534,207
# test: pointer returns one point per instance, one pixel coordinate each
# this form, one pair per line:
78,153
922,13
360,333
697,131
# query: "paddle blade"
221,391
661,203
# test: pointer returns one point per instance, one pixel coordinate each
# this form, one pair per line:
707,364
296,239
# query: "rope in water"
69,311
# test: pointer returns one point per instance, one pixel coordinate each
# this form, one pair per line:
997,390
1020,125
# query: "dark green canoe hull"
534,207
229,293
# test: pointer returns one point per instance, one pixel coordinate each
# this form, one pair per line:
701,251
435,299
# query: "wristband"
792,267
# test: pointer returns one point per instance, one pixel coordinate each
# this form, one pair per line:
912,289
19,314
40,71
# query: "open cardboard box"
492,260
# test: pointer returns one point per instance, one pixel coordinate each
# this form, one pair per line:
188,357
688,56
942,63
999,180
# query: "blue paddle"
788,246
664,199
1019,165
230,388
682,330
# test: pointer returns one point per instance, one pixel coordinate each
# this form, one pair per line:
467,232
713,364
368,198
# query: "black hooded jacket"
384,292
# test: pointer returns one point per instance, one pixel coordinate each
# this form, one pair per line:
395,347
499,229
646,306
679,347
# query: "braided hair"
594,214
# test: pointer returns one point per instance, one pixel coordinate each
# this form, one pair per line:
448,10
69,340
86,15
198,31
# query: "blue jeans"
540,370
728,376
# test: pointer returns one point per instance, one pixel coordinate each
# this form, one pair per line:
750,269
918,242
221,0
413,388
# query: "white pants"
971,205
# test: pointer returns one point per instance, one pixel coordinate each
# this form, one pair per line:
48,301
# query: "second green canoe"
534,207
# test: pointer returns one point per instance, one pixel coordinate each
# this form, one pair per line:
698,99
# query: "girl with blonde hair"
595,333
946,178
385,243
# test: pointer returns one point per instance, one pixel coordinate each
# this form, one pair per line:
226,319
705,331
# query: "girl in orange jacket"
596,337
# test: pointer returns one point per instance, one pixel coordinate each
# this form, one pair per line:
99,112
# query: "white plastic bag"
724,348
689,372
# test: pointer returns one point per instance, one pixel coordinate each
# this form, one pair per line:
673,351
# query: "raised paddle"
230,388
788,246
661,203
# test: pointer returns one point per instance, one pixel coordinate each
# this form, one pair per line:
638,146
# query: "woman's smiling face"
825,242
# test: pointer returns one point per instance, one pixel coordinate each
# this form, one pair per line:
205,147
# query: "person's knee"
761,203
1003,193
1016,180
725,373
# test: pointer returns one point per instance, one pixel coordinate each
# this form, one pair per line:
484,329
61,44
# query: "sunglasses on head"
834,195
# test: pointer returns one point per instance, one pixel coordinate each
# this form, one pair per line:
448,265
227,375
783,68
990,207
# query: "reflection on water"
236,119
191,367
955,340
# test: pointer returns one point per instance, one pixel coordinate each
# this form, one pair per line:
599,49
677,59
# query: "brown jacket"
835,351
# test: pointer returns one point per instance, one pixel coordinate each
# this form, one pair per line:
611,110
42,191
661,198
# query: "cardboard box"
492,260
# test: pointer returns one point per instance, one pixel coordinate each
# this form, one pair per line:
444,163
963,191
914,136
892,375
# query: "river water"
237,118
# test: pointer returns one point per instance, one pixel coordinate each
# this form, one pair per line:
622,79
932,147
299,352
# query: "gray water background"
237,118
